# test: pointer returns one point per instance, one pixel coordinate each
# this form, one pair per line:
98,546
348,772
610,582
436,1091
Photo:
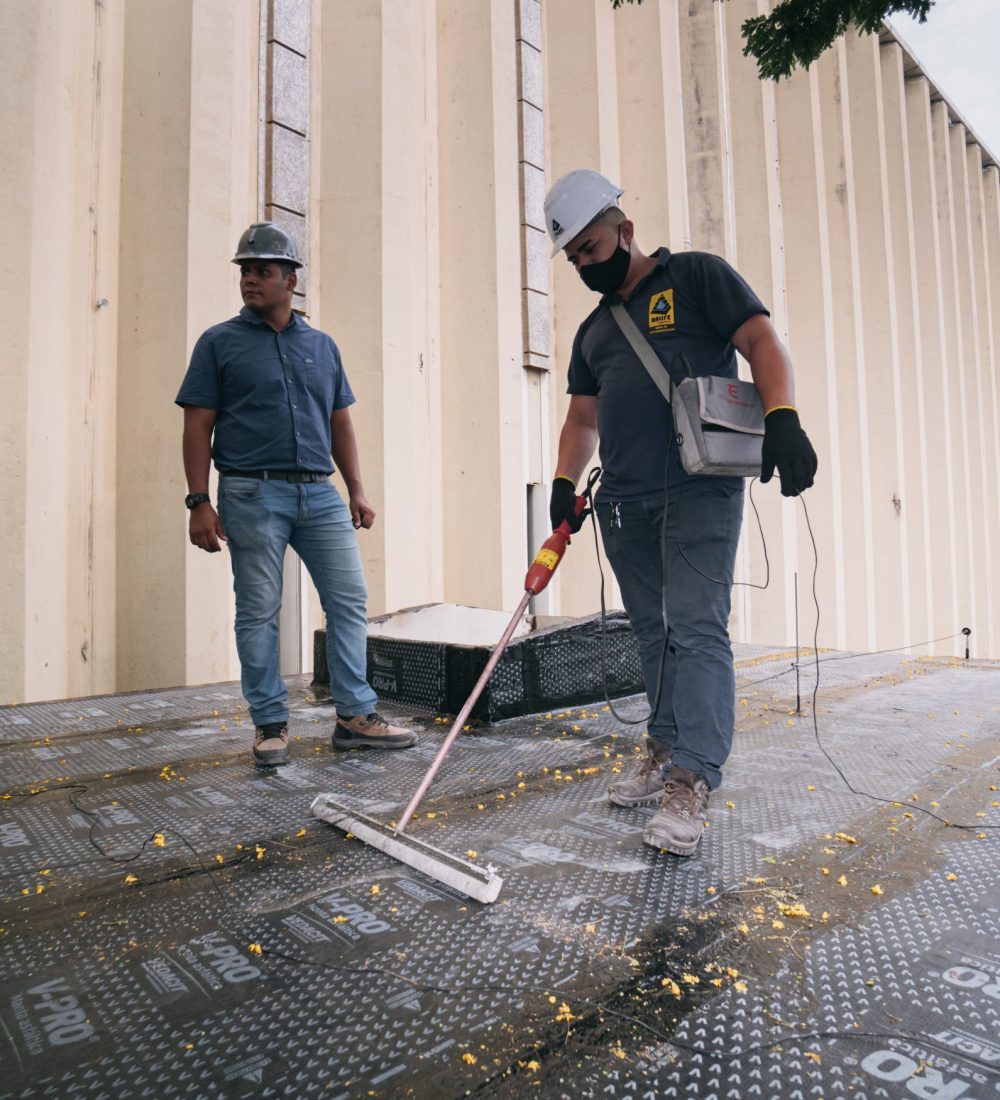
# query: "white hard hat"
573,202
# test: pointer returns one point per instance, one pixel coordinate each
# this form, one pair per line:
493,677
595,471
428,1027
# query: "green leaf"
797,32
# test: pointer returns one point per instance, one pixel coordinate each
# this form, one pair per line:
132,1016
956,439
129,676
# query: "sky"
959,49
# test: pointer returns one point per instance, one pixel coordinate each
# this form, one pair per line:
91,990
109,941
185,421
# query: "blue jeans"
261,518
696,711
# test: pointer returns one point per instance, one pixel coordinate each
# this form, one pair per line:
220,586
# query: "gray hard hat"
267,241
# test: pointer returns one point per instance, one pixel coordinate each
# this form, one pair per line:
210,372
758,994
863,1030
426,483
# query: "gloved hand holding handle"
562,505
787,447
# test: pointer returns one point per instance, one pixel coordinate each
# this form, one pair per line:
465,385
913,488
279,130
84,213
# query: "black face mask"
608,275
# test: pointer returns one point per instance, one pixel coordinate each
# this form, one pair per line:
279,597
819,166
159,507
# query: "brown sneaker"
371,731
678,824
645,787
270,747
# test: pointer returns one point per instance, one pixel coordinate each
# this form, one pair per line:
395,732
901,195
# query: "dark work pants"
694,719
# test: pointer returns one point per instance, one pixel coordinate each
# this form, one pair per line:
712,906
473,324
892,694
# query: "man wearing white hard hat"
670,536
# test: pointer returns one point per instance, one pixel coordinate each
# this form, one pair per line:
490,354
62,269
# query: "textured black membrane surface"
173,923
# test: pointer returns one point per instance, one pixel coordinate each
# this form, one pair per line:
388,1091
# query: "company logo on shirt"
661,311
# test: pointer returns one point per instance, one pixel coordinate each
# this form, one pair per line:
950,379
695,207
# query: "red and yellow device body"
550,555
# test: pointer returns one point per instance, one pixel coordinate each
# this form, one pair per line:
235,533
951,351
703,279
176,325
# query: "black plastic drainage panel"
555,667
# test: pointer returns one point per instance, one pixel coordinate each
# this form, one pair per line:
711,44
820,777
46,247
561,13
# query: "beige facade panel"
956,340
909,359
879,358
990,251
812,331
187,193
61,102
935,440
378,260
408,149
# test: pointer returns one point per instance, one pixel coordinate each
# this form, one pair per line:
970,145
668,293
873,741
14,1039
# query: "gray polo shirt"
691,302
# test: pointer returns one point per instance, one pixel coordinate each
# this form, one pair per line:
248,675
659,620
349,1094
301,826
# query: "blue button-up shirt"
274,393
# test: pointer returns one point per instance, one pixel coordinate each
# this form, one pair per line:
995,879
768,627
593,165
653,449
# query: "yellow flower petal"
796,910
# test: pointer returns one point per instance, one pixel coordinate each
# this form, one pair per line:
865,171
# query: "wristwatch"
192,500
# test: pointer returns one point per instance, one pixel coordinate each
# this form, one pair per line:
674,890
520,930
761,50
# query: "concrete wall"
61,104
189,188
852,197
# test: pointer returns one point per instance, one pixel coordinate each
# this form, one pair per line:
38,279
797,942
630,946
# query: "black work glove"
562,505
787,446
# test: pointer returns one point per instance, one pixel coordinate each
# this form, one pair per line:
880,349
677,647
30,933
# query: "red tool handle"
539,574
550,555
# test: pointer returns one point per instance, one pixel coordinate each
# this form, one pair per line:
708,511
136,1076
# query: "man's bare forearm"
576,447
197,449
344,449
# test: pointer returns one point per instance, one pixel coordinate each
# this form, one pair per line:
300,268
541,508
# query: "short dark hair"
614,215
610,215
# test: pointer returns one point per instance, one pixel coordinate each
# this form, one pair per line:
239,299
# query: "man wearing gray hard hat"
669,533
266,398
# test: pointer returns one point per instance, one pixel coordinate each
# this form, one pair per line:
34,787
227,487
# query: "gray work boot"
370,731
679,822
270,747
645,787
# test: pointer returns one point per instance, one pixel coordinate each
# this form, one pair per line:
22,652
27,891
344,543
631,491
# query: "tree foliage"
796,32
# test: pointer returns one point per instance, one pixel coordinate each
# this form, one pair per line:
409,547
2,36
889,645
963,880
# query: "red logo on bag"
734,393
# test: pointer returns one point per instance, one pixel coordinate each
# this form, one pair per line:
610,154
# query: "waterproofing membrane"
374,980
557,666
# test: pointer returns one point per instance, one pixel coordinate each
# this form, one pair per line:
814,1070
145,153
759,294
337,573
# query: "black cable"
776,675
763,543
592,479
815,693
545,991
578,999
848,656
663,588
563,994
95,821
